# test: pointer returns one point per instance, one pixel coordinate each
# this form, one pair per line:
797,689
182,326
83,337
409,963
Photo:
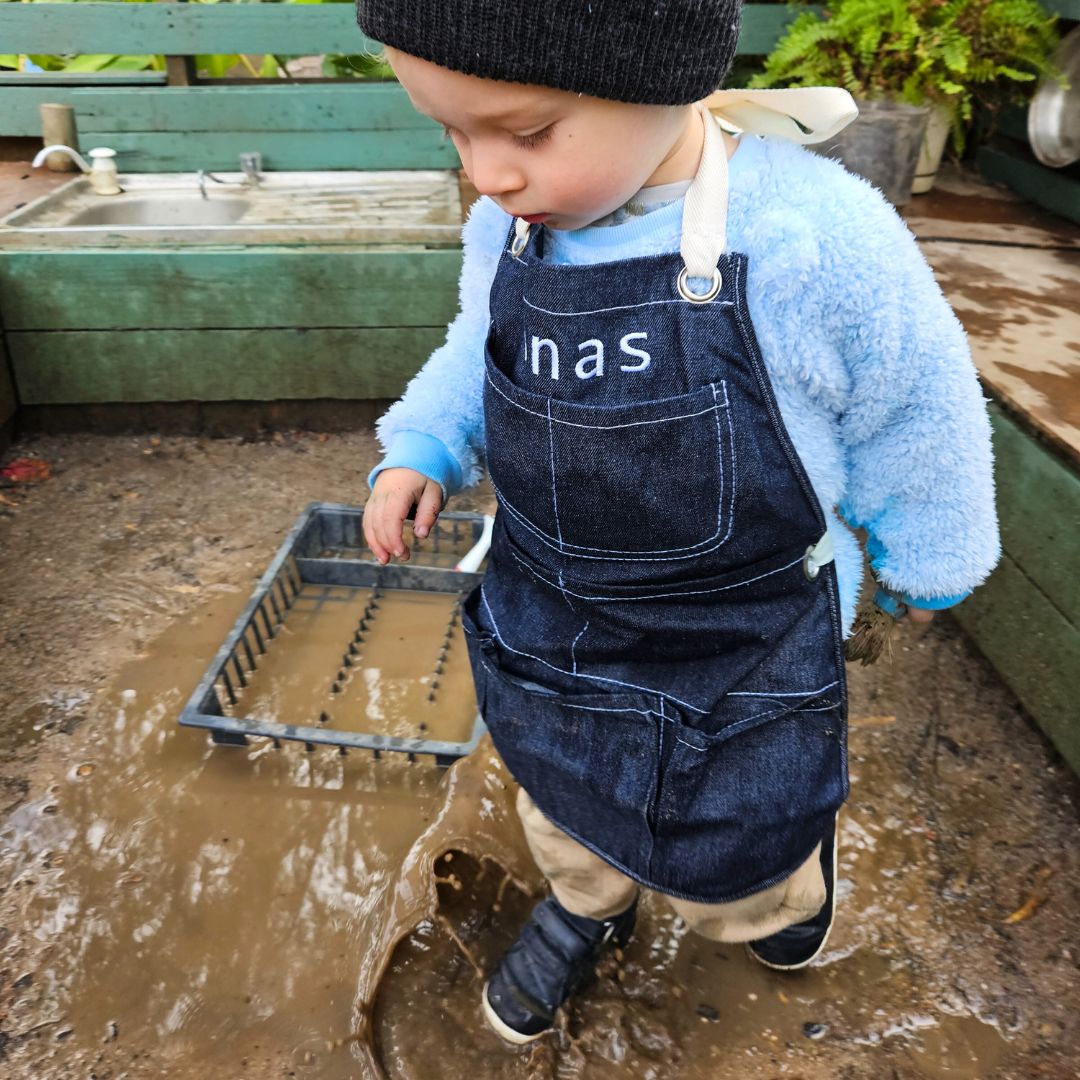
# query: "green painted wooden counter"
257,324
1026,617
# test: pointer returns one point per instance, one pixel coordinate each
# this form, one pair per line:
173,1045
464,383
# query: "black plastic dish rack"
326,547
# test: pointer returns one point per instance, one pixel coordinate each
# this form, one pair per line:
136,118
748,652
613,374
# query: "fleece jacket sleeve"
915,428
437,425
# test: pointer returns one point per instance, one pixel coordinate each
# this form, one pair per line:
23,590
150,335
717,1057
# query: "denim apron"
656,645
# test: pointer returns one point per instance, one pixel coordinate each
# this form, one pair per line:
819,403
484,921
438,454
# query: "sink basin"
178,209
413,207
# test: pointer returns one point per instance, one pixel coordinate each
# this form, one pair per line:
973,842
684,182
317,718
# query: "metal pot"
1053,119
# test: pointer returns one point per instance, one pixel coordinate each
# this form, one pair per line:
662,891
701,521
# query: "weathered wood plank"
246,289
1020,313
81,78
345,107
181,28
244,28
95,366
1039,509
1034,649
169,151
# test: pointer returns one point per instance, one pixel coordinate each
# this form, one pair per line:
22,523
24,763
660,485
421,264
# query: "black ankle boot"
552,957
795,946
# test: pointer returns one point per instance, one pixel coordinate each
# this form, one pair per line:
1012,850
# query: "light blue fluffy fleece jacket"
869,363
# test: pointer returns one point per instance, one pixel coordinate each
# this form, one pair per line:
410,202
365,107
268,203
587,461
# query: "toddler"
691,358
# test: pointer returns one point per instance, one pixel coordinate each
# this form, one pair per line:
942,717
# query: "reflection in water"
260,912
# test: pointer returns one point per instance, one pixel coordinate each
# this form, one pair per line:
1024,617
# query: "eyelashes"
526,142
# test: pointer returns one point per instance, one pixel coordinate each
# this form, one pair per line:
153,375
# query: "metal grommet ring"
699,298
519,243
809,568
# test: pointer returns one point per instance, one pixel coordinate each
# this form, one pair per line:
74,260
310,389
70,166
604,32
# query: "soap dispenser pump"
103,176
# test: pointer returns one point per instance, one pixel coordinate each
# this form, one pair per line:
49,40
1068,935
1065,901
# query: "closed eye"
526,142
535,139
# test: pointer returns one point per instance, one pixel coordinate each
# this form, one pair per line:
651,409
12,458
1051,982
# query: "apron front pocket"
588,760
572,474
760,794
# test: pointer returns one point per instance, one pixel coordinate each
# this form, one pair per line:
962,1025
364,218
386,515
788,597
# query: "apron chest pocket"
569,473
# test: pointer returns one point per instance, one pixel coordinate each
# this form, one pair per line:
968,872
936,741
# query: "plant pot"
931,151
882,146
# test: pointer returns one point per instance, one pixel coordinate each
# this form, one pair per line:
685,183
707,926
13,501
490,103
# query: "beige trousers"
586,885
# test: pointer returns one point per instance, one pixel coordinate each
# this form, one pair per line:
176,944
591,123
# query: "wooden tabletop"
20,183
1012,274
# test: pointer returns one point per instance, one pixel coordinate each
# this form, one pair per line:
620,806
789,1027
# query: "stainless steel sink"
415,207
179,209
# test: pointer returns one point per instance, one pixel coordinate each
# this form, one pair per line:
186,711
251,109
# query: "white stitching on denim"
660,735
734,469
554,492
626,307
742,723
612,557
603,427
767,712
692,552
657,554
784,693
601,708
582,675
699,749
654,596
575,641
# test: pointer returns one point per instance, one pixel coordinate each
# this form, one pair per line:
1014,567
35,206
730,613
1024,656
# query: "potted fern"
917,69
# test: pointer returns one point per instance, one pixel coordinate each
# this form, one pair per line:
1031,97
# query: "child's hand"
919,615
395,493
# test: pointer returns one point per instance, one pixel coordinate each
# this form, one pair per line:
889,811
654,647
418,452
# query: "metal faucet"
251,163
102,173
75,156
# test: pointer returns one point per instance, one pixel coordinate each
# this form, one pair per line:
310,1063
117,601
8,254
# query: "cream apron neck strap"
704,222
802,114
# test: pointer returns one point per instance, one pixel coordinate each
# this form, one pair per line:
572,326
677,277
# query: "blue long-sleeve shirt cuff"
426,454
875,549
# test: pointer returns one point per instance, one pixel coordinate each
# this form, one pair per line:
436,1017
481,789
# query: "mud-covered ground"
170,909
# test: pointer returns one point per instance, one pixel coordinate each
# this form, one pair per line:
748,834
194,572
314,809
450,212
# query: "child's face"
539,151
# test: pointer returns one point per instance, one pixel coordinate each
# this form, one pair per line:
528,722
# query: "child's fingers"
370,538
388,520
427,509
392,525
920,615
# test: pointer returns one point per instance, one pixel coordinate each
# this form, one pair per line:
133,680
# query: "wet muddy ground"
173,909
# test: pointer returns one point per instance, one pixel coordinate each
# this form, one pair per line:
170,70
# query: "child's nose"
492,174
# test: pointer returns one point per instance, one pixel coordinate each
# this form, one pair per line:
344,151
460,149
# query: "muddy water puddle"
190,911
385,661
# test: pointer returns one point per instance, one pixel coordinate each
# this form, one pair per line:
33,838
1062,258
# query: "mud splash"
186,911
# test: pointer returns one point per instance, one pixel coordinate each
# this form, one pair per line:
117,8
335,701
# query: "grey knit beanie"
655,52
